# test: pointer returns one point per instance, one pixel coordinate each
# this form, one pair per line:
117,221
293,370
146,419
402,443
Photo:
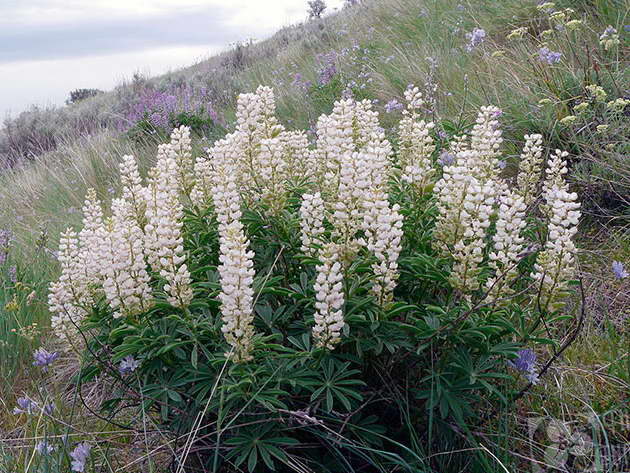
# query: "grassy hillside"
551,69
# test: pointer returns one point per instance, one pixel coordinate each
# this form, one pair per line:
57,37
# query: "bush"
78,95
344,307
316,8
198,124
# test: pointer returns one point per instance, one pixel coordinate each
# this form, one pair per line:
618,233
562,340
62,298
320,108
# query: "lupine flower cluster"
416,143
555,265
471,194
466,197
5,242
530,168
508,244
609,38
164,242
159,107
137,254
548,56
619,270
475,38
113,257
80,456
312,216
27,406
128,365
44,358
329,319
525,362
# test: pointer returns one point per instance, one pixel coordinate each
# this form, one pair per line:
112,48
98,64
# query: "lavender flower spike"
5,242
79,457
446,159
475,38
44,358
525,362
25,406
619,270
393,105
548,56
44,448
128,365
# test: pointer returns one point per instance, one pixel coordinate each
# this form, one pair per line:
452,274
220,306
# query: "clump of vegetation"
78,95
261,297
316,8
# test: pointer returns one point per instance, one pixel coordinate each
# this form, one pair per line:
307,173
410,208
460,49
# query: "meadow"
395,238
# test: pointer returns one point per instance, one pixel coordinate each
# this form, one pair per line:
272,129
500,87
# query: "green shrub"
421,355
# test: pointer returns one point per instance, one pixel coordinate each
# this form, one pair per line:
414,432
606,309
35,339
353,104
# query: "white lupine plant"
530,167
346,198
132,189
165,251
416,143
508,244
236,260
269,278
69,298
124,272
312,216
329,319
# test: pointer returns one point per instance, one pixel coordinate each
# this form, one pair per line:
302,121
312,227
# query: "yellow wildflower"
581,107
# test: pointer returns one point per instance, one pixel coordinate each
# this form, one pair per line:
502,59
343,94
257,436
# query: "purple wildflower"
44,448
446,158
13,274
25,406
299,82
5,237
548,56
128,365
159,107
619,271
393,105
347,93
502,164
79,456
44,358
626,28
525,362
5,241
329,68
475,38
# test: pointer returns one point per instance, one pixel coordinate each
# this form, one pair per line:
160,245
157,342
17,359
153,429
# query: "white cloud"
49,47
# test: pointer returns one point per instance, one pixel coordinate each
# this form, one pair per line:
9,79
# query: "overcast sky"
49,47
